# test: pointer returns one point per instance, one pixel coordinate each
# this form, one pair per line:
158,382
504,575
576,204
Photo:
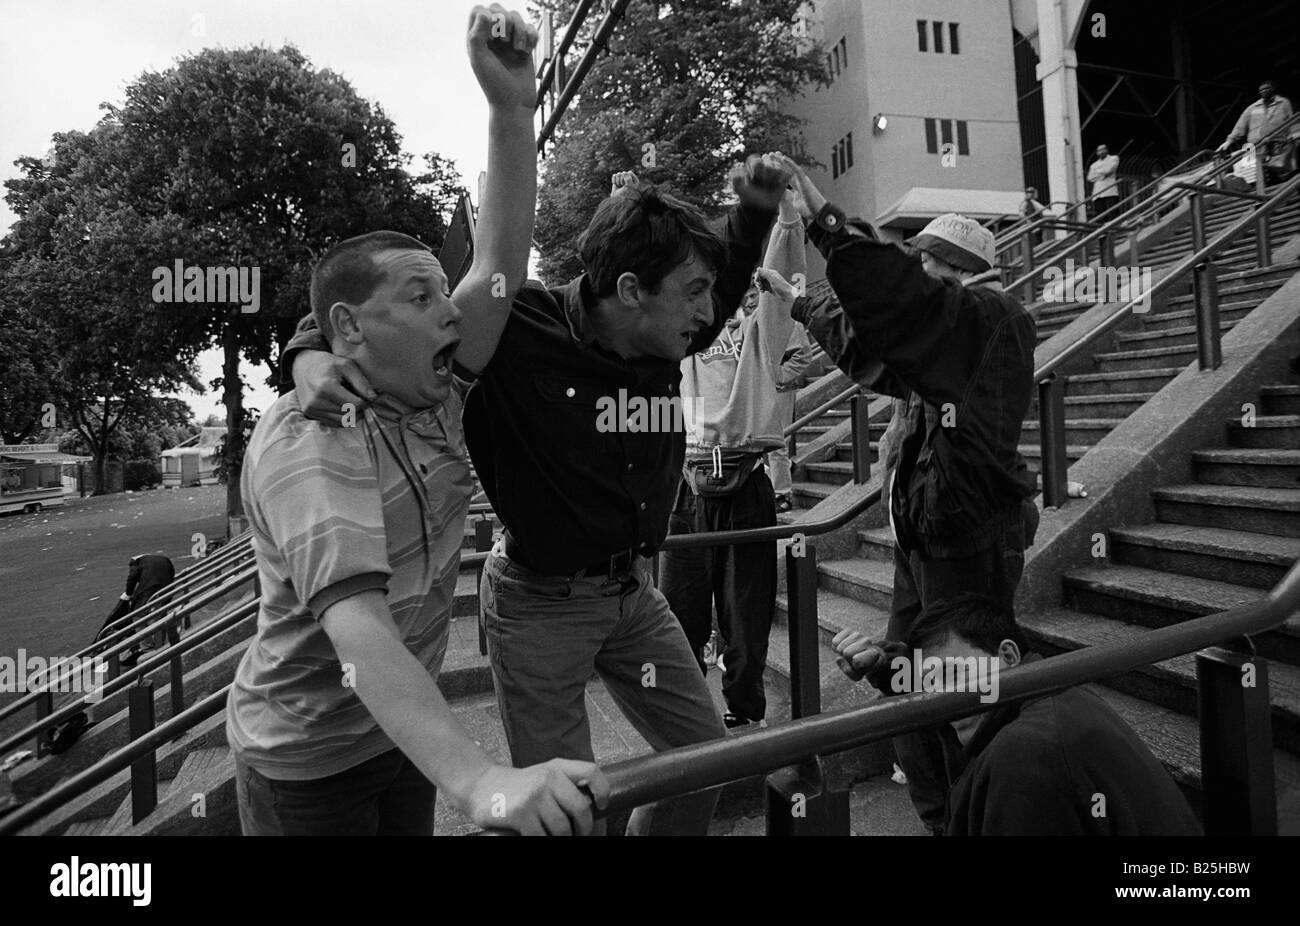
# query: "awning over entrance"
37,453
920,204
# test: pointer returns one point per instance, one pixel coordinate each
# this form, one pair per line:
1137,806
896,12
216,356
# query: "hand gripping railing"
1236,748
1051,386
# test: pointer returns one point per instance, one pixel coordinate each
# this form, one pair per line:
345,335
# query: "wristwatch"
830,218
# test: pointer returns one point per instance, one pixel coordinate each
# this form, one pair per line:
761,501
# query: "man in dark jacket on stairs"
941,333
1056,765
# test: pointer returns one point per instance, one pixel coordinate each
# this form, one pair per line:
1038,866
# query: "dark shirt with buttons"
570,489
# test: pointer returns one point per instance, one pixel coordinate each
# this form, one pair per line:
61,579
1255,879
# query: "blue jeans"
383,796
547,636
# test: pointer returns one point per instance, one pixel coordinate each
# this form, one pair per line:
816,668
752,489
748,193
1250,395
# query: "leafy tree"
687,88
244,158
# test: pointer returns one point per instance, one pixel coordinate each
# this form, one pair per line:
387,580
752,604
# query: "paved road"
61,570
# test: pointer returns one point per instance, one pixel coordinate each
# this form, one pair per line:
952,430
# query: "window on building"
848,148
835,161
931,33
844,51
939,132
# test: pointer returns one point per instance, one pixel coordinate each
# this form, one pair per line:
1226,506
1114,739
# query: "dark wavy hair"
648,232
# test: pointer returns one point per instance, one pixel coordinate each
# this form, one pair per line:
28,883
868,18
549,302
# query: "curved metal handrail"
649,778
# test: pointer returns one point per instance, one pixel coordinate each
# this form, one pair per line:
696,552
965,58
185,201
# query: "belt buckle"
626,557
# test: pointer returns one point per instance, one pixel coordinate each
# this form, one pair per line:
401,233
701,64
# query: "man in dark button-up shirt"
575,435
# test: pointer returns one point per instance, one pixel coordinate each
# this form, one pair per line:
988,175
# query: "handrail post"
144,770
1236,744
1197,206
44,708
858,409
1134,249
800,802
1105,250
177,667
482,543
1263,242
1205,287
1051,426
1027,251
801,613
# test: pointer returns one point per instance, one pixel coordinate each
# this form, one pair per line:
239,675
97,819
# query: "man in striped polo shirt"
335,717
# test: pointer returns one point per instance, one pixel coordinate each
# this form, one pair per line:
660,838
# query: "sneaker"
732,721
783,503
718,661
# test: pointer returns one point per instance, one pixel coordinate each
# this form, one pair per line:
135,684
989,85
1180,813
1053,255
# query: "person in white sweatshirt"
733,419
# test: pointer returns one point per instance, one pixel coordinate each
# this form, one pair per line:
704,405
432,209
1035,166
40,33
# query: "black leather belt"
618,564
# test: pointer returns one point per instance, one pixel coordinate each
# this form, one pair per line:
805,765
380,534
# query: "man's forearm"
402,696
503,235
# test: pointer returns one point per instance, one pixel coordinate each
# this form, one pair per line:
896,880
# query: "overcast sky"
59,59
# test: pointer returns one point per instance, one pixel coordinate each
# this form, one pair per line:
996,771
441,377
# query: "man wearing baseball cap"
957,353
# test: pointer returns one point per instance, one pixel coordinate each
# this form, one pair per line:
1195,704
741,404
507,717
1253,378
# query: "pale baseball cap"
959,241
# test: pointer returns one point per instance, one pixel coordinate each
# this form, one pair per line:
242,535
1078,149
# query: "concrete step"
1157,599
844,451
1146,359
1165,337
1237,557
876,543
1256,509
1116,405
1266,432
1243,289
1280,400
206,783
868,581
1245,467
1084,431
808,494
1123,381
1230,312
833,472
1170,684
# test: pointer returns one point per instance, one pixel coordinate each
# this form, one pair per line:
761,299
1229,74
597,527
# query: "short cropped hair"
347,272
647,232
977,619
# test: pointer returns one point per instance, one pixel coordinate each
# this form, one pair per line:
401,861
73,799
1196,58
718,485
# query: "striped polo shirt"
336,512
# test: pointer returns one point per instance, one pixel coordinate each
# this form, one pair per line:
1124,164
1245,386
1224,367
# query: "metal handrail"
642,780
159,602
1125,219
111,764
148,625
1180,269
820,410
155,661
1012,234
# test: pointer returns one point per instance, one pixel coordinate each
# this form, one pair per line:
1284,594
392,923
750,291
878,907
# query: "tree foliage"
686,89
245,158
